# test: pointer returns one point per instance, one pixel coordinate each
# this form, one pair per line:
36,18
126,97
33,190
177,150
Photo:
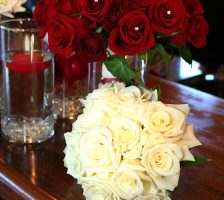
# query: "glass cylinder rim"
3,27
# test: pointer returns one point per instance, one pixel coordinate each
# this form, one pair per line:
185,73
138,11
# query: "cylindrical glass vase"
27,83
74,80
94,76
67,103
138,65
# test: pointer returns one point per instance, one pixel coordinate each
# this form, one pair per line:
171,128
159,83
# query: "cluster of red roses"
127,27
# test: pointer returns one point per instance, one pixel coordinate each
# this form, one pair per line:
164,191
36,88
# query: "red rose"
42,13
91,47
86,24
66,7
62,34
94,9
139,4
197,31
132,35
193,7
53,2
167,16
117,9
178,39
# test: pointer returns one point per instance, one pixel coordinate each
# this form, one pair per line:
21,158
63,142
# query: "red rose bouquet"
91,29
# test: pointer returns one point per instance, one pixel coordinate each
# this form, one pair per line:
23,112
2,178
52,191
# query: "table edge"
20,185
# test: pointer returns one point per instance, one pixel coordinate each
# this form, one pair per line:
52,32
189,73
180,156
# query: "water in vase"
27,93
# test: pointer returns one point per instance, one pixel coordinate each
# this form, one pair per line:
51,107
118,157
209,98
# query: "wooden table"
37,171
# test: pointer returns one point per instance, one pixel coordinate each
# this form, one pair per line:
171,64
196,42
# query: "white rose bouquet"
11,6
128,145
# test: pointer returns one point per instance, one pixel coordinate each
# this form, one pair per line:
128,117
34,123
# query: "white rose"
189,138
131,93
96,188
9,6
114,99
126,136
149,94
188,141
159,118
136,166
106,91
97,153
159,196
129,110
91,120
101,93
128,184
132,180
128,100
162,162
103,99
72,155
182,107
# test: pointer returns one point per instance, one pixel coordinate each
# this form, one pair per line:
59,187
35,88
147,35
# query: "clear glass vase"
94,76
67,103
67,96
67,99
139,65
27,83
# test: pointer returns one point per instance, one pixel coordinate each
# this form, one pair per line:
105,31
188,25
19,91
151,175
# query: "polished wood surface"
37,171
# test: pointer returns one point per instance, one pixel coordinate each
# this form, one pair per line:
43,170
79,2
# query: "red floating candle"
27,63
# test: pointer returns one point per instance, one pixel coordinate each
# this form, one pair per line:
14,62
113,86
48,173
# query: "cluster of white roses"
11,6
128,145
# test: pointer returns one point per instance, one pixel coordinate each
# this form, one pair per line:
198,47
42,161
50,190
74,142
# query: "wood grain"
204,182
37,171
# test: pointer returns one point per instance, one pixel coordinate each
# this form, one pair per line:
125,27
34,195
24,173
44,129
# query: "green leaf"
143,56
151,54
164,55
159,35
120,68
158,92
148,55
185,53
198,161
